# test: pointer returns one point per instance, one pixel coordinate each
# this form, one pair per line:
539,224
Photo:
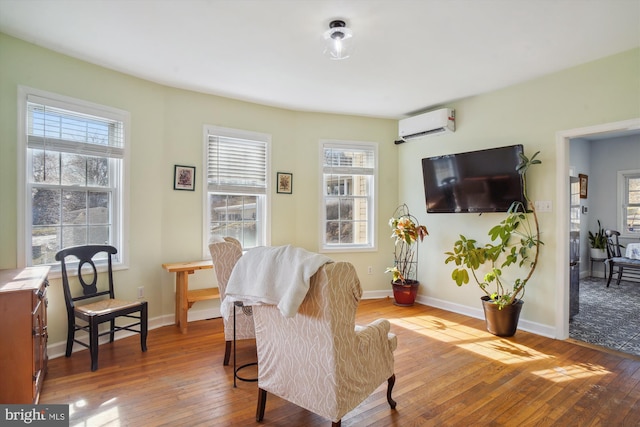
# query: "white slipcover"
319,359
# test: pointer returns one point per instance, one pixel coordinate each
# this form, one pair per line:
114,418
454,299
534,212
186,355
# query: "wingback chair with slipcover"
319,359
225,254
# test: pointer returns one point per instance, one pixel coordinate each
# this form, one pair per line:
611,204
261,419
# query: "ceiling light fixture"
338,40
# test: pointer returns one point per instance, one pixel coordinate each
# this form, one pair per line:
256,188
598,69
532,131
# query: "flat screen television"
475,181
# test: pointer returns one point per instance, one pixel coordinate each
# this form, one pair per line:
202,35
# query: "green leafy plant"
598,240
515,241
406,233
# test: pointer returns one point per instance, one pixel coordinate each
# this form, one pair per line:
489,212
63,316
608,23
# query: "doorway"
565,162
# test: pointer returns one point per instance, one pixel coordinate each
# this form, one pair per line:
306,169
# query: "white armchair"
319,359
225,255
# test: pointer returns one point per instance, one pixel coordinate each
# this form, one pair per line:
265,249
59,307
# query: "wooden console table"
185,298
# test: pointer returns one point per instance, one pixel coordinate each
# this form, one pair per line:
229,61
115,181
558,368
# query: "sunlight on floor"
107,417
440,329
472,339
504,351
490,346
573,372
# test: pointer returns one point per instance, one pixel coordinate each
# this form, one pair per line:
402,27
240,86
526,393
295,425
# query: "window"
74,156
237,186
349,174
629,208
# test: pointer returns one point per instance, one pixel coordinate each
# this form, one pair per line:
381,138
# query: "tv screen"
476,181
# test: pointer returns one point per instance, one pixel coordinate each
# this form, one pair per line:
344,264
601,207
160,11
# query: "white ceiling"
409,56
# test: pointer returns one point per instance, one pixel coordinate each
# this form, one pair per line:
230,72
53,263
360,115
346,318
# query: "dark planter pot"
405,294
502,323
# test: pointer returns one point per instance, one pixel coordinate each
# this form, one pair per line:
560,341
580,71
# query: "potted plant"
406,233
515,242
598,243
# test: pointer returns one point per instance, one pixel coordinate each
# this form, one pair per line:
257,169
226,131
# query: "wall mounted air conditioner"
432,123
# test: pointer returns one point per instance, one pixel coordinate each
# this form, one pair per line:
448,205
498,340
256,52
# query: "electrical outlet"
370,270
141,292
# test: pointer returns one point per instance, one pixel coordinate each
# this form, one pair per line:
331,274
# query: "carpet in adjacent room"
608,317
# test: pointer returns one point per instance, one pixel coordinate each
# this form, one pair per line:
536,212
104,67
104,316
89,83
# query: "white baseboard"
377,294
58,349
478,313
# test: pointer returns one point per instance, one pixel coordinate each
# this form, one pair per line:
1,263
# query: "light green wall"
167,129
165,225
531,113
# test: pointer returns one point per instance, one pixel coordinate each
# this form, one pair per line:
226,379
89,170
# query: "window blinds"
236,165
339,160
58,129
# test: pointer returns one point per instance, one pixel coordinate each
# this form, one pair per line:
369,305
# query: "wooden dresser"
23,333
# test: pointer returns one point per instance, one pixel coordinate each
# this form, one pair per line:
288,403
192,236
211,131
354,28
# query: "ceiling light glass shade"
338,41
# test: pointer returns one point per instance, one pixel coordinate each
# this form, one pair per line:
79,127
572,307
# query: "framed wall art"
284,182
184,178
584,184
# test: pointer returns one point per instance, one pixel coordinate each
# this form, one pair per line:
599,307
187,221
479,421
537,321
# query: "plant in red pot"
406,233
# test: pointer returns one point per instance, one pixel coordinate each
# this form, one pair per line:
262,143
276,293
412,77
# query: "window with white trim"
349,176
74,154
237,185
629,208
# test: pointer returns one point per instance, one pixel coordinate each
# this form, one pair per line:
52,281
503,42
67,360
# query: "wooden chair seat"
105,306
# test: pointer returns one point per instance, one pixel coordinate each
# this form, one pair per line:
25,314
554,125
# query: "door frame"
563,139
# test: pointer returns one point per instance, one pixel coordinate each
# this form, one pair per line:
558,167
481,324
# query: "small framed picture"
285,182
584,184
184,178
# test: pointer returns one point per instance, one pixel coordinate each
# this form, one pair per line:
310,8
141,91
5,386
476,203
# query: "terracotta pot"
405,294
502,323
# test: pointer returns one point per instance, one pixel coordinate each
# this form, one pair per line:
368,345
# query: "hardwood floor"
449,370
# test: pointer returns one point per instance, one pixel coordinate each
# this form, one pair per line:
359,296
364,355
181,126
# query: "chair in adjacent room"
94,303
224,255
616,260
319,359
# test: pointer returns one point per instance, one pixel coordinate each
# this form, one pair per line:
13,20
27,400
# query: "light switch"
543,205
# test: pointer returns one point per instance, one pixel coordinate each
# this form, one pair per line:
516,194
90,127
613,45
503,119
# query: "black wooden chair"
617,260
103,306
